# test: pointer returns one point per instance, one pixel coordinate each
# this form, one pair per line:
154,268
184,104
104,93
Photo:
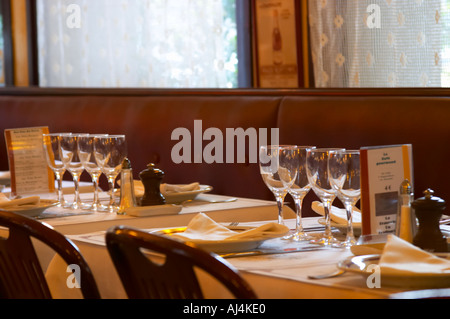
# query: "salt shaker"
151,178
127,195
406,225
428,210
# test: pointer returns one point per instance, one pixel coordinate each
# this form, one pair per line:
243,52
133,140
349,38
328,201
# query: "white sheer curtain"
377,43
131,43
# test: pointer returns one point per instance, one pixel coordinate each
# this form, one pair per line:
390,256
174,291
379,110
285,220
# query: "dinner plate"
221,246
342,227
5,178
179,197
360,264
32,210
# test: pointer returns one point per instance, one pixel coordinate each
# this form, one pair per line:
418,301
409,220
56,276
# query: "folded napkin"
5,202
169,188
402,258
202,227
166,188
338,215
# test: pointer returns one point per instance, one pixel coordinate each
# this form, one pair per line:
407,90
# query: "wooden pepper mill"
151,178
429,210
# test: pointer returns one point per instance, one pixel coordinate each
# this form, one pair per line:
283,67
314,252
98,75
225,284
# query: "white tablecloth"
80,221
271,276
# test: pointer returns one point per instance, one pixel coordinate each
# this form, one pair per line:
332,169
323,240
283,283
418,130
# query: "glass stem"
76,182
298,221
327,207
96,202
58,176
280,199
350,235
111,180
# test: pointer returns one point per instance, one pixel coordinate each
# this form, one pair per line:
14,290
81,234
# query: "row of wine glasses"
95,153
329,172
282,168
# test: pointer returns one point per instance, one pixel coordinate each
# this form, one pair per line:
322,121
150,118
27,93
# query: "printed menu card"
27,162
383,169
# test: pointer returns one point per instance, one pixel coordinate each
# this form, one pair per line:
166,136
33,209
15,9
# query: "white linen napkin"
338,215
402,258
5,202
202,227
166,188
169,188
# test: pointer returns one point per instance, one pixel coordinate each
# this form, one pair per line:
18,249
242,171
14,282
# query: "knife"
260,252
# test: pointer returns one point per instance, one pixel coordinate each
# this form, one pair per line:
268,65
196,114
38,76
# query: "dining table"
278,269
283,274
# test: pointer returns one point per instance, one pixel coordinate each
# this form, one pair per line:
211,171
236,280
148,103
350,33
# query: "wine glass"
299,189
72,163
317,172
51,144
110,151
344,175
87,157
270,159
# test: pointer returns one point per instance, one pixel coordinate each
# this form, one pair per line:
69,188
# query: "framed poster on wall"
276,47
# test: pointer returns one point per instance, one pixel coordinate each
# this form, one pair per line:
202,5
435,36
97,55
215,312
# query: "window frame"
8,57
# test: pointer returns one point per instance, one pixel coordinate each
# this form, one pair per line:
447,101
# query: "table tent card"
27,162
383,169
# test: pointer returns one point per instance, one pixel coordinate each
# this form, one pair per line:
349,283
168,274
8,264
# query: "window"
379,43
137,43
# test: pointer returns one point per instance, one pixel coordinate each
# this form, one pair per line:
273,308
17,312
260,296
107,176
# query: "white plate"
5,178
32,210
342,227
176,198
359,265
222,246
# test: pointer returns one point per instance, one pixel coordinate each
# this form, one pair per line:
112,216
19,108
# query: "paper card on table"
383,169
27,162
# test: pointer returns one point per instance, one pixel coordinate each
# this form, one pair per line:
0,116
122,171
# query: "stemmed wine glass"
299,188
87,157
51,143
317,172
344,174
72,163
110,151
271,159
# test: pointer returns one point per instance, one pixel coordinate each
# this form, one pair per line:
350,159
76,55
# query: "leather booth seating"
324,118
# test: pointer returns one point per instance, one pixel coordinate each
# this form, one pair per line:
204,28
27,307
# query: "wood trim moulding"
402,92
19,32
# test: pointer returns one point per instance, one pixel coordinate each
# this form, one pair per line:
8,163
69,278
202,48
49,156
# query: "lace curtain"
377,43
131,43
